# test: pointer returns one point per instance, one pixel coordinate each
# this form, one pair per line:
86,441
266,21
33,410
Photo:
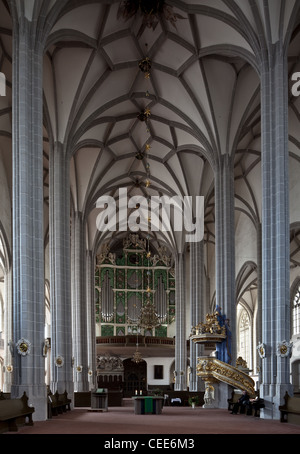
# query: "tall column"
91,339
275,228
256,358
8,316
79,305
225,247
180,341
60,274
28,234
197,304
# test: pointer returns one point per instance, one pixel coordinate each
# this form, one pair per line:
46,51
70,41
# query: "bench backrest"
14,406
292,403
59,398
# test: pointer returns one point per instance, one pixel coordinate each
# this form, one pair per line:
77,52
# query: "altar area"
148,405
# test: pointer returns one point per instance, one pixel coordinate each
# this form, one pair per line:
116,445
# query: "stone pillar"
91,321
197,305
180,341
256,357
8,347
225,248
79,305
275,229
28,233
60,274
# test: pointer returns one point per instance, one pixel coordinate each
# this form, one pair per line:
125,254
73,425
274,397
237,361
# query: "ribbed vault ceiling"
203,94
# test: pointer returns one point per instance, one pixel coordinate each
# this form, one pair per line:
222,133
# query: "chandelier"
151,11
137,357
149,318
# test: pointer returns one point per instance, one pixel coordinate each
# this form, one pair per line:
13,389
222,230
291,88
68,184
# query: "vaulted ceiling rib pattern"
203,95
201,98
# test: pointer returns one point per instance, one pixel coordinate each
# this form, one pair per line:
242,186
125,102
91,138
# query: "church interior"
149,205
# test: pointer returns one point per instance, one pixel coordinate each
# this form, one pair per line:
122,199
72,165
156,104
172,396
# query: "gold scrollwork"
212,367
211,326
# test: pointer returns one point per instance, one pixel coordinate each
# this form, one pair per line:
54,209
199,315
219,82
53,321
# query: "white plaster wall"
245,241
167,375
295,363
294,169
5,199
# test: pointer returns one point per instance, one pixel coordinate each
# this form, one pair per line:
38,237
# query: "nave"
172,420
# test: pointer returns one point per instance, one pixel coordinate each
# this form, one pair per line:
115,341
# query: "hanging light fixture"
137,356
151,11
148,318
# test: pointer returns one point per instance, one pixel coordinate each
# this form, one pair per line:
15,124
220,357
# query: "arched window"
244,347
296,311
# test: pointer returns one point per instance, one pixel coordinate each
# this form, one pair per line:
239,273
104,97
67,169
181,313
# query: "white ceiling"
204,99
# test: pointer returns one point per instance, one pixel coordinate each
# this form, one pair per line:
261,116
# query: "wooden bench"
14,413
235,395
290,411
66,402
58,403
252,408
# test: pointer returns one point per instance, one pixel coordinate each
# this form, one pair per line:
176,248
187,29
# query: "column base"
273,398
37,398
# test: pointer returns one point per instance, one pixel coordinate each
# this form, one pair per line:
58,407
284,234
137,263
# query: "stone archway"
135,377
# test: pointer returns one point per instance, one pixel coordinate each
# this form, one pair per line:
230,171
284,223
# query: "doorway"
135,377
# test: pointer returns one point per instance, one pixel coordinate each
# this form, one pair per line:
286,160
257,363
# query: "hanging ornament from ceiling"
143,116
148,317
151,11
137,356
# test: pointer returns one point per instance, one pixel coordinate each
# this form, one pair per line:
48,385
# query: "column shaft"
275,228
197,304
60,274
79,305
180,342
225,248
28,234
91,340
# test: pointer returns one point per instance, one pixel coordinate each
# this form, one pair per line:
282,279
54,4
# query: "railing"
130,340
211,367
